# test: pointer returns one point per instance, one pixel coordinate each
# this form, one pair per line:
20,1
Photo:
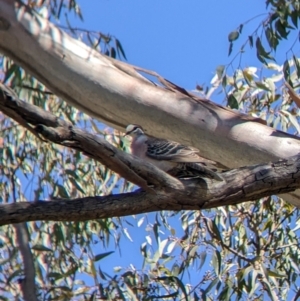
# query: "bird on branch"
172,157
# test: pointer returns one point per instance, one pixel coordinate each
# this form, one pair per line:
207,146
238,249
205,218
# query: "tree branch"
28,286
64,133
240,185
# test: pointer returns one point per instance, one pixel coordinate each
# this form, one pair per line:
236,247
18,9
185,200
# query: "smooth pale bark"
116,94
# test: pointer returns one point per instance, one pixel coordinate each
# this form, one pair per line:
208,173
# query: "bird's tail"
196,170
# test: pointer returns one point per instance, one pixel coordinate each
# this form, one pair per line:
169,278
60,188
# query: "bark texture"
241,185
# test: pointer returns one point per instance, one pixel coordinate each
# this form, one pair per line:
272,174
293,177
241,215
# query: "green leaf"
39,247
263,86
240,28
220,71
224,81
161,245
101,274
102,255
113,52
216,262
196,297
175,269
271,38
261,59
120,48
294,17
171,247
286,70
61,191
155,230
297,64
261,52
202,259
59,233
230,48
13,69
140,221
225,294
281,29
248,77
275,274
211,285
13,275
234,35
125,231
182,287
77,185
232,102
55,275
65,288
293,120
243,273
131,293
9,151
250,38
276,122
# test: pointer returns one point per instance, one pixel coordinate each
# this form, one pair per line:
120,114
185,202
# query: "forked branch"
239,185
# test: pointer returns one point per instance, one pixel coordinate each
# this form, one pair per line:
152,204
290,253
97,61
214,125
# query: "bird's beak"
125,134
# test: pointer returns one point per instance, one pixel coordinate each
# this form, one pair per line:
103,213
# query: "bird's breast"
139,147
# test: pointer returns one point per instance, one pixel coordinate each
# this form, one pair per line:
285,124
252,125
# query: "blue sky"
184,41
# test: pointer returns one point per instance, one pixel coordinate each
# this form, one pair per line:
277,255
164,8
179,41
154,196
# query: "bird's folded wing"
161,149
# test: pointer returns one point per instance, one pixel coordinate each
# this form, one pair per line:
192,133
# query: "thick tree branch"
64,133
240,185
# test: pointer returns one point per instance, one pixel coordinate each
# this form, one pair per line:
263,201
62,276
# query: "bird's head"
134,130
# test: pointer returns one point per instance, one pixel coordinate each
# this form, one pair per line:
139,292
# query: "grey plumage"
174,158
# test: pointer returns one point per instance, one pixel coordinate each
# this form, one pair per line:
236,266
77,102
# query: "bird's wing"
162,149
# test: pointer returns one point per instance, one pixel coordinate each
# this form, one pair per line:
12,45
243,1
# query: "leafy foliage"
33,169
278,24
243,252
